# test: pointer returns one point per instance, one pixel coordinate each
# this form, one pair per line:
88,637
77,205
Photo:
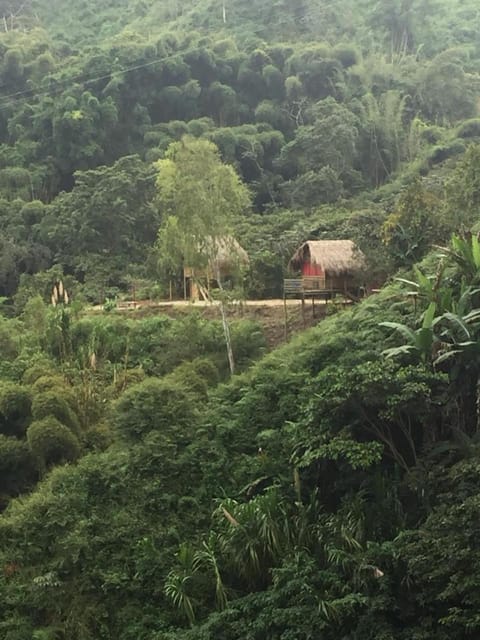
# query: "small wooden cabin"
228,259
326,266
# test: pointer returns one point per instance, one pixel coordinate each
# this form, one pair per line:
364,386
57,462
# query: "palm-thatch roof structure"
220,253
219,257
333,257
227,253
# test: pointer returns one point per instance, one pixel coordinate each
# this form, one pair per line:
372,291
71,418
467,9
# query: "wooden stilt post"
303,310
285,316
313,306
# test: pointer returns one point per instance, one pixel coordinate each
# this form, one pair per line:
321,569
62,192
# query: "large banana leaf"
401,328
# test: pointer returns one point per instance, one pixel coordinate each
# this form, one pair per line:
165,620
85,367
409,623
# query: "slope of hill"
313,103
330,488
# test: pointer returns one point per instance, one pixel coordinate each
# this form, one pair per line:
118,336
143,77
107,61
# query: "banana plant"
430,289
420,341
460,348
464,250
458,335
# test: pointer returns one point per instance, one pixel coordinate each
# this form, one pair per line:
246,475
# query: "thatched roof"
334,256
229,252
224,253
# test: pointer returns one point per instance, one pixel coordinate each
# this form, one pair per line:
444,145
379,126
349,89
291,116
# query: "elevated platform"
307,285
317,287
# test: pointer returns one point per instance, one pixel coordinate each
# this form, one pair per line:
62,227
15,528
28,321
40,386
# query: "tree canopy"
155,485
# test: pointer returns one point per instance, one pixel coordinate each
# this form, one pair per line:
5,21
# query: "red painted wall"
309,269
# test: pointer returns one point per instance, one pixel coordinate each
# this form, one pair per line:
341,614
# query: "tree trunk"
226,328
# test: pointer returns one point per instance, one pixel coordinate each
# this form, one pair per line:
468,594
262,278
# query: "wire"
6,102
70,81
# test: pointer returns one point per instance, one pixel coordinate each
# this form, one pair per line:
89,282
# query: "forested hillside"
315,104
169,478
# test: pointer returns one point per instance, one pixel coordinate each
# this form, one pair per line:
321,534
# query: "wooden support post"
303,310
171,290
313,306
285,316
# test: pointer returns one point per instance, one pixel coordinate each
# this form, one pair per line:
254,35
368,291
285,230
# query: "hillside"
181,471
308,493
320,107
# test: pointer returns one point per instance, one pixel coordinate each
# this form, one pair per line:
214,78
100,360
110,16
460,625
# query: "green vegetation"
306,493
314,104
155,485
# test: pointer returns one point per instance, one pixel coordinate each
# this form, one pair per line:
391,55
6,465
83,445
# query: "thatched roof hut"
228,255
328,257
223,256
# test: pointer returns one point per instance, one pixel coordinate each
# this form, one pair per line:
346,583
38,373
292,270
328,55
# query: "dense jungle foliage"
326,110
329,489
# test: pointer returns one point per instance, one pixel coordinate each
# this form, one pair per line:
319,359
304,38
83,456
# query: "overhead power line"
37,91
7,101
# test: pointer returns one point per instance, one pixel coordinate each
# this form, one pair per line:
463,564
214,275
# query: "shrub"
196,376
154,404
248,342
42,368
8,341
15,409
98,438
48,382
124,378
440,153
17,466
57,384
52,443
207,370
346,54
469,129
186,377
53,403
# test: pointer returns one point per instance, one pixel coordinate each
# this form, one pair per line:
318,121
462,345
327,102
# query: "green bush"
196,376
469,129
98,438
42,368
440,153
15,409
155,405
48,382
347,54
248,342
8,342
160,344
190,380
54,403
206,369
59,385
52,443
17,467
124,378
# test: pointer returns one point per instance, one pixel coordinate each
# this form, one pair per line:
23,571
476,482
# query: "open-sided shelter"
224,259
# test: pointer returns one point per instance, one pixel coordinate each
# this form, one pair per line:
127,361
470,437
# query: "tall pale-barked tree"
200,198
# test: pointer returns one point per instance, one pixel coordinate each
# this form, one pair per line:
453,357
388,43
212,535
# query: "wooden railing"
306,284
